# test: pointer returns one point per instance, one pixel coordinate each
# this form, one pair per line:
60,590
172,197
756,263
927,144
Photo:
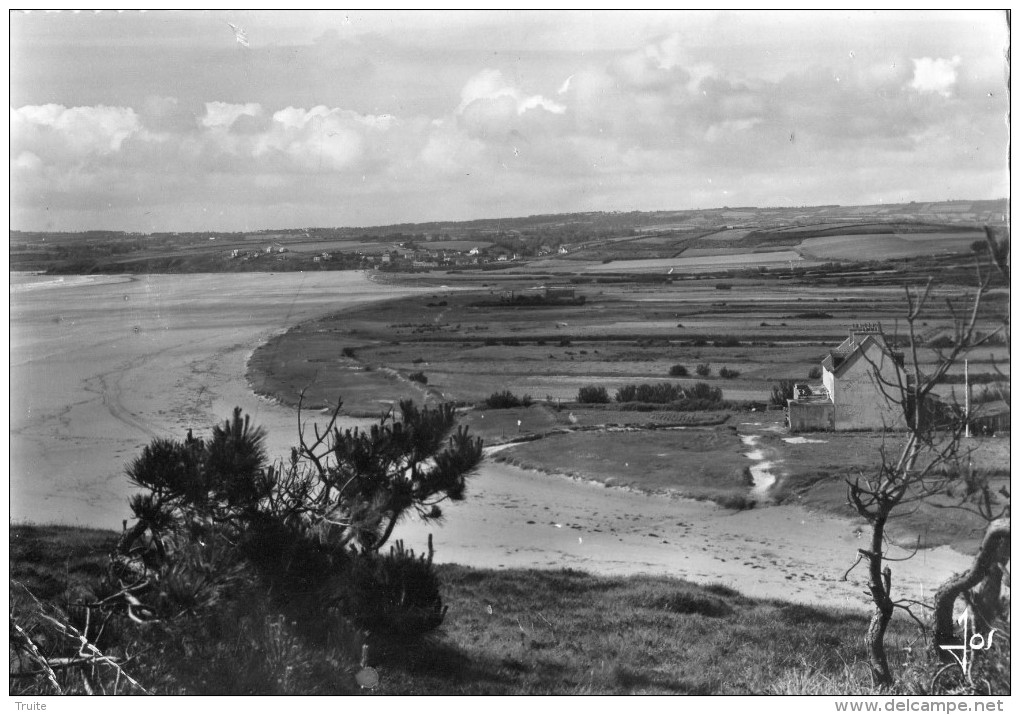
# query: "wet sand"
101,365
521,518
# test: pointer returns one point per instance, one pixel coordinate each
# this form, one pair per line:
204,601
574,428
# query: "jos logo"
971,644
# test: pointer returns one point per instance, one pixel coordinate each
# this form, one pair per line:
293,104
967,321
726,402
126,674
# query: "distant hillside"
525,237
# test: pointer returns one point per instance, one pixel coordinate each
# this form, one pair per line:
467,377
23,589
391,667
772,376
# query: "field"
884,246
470,344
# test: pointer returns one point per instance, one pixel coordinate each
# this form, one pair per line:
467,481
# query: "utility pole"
966,399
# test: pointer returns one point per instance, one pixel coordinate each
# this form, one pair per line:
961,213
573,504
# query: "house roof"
847,353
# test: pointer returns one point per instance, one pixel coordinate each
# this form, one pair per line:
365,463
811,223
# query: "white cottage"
858,390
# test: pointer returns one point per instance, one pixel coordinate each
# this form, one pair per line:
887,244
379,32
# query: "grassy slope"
509,632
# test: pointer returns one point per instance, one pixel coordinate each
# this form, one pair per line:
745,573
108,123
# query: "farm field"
470,344
884,246
701,263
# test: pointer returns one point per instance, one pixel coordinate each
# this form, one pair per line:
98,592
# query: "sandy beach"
100,365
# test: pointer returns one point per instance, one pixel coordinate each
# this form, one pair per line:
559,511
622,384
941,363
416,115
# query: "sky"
245,120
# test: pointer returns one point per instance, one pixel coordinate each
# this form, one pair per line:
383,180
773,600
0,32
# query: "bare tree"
982,582
927,461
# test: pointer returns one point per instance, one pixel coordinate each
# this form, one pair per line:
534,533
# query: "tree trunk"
986,598
880,585
876,643
985,562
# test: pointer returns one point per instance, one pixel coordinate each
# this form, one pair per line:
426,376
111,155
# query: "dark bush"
815,372
727,373
703,369
418,377
505,400
781,392
678,371
396,594
704,391
216,517
564,343
659,393
593,394
723,286
348,352
727,343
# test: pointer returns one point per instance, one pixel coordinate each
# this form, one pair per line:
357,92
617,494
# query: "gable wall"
859,401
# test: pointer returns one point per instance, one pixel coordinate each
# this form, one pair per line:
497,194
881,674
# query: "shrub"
348,353
723,286
395,594
727,373
593,394
781,392
815,372
703,369
678,371
727,343
659,393
214,515
564,343
704,391
418,377
505,400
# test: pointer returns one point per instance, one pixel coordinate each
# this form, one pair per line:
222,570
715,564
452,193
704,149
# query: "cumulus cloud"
490,85
936,75
80,131
223,114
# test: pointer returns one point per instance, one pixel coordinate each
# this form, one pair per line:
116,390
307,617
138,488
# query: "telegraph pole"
966,399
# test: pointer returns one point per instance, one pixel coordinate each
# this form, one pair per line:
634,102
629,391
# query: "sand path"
101,365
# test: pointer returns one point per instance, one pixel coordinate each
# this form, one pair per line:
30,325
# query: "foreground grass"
506,632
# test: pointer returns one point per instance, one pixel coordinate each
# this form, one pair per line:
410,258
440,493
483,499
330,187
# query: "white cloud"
539,102
935,75
223,114
490,85
55,129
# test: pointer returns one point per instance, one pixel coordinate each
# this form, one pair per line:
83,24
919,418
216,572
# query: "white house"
859,389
